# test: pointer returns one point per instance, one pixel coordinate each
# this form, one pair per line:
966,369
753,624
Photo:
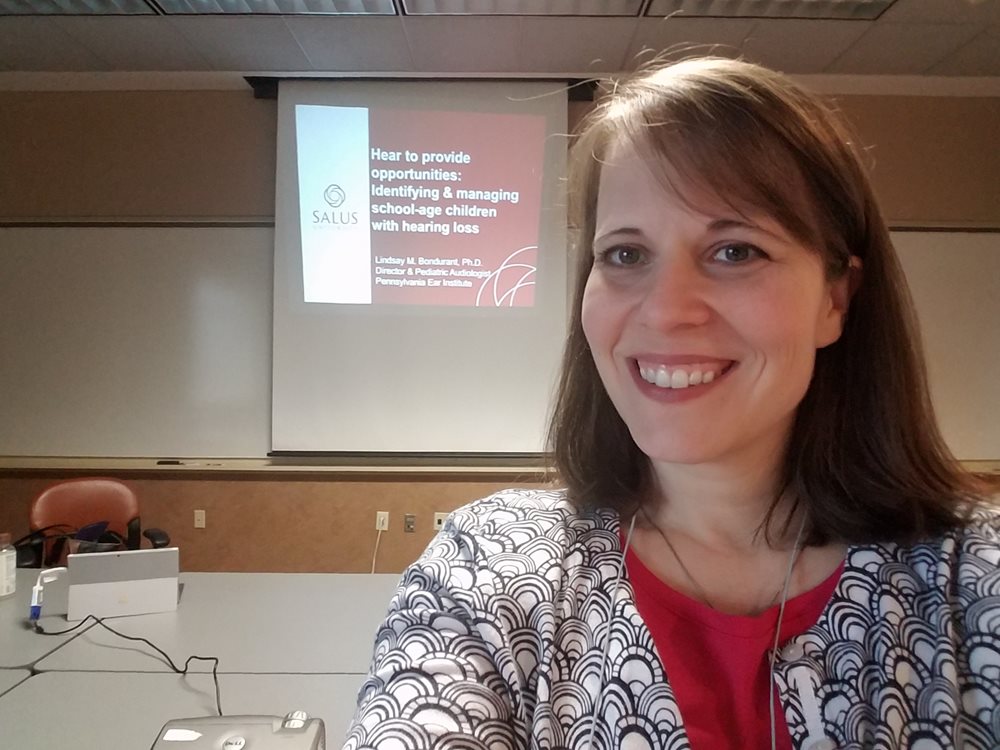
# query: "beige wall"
137,154
935,160
211,155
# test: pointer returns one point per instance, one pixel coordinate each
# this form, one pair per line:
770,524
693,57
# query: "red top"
717,663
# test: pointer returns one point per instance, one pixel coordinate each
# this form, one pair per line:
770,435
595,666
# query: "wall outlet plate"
439,519
381,520
409,523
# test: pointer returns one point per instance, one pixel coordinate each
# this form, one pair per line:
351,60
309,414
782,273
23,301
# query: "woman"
763,541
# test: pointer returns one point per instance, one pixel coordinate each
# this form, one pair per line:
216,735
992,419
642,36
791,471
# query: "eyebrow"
722,224
631,231
717,225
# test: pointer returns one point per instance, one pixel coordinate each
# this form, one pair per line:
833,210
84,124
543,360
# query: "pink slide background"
506,154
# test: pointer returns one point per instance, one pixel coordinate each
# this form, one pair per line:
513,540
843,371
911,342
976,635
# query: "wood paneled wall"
282,523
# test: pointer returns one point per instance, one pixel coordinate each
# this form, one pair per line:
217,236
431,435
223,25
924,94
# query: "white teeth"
677,378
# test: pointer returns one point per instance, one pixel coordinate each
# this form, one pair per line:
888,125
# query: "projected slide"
418,208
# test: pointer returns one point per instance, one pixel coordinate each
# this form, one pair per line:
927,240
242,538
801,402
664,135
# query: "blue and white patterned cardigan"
495,636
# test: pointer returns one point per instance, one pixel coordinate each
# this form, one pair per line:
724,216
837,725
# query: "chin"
676,449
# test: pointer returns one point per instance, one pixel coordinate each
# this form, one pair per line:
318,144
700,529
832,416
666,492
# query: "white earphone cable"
777,629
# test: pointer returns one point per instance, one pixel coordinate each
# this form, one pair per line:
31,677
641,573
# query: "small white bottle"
8,566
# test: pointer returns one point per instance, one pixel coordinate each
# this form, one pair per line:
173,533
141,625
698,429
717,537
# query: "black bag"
43,548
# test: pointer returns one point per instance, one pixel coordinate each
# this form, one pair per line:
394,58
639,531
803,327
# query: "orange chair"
75,503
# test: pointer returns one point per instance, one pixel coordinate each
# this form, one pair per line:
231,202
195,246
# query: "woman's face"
703,324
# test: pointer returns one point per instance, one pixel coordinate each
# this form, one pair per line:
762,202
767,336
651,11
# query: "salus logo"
335,197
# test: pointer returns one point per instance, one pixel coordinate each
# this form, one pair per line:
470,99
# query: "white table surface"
257,623
11,677
21,647
102,710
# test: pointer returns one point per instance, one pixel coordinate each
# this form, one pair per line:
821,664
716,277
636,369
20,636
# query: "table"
259,623
101,710
11,677
21,647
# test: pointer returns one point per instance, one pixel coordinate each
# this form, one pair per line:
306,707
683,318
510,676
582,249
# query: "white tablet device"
133,582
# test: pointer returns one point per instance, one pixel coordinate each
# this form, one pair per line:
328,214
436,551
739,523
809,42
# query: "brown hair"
865,455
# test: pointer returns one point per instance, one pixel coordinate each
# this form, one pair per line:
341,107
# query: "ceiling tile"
900,49
575,45
942,11
827,9
74,7
524,7
37,43
133,42
979,57
684,37
350,43
278,7
799,45
465,44
243,43
936,37
979,11
924,11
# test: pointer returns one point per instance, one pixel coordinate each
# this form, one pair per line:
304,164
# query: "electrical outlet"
381,520
409,523
439,519
199,519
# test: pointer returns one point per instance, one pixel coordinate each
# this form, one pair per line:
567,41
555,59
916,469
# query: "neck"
698,534
710,516
721,506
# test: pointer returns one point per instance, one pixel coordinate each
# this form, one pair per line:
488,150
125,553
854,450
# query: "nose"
676,295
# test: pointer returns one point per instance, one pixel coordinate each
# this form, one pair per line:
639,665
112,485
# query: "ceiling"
951,38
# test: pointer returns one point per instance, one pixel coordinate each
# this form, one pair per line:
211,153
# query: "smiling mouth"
677,377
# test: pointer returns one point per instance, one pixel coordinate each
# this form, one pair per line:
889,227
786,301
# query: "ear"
845,287
841,292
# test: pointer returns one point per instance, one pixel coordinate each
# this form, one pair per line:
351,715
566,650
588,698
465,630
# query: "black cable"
170,662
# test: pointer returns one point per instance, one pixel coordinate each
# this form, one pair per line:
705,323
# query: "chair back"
78,502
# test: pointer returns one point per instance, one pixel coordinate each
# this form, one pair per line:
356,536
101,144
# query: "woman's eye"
620,255
738,253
